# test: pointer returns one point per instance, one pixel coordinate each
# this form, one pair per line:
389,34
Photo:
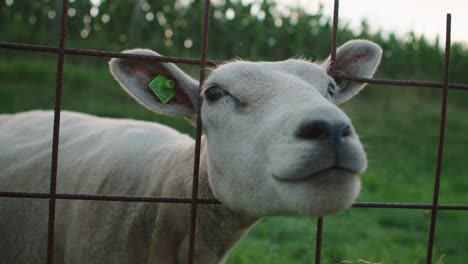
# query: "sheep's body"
103,156
274,143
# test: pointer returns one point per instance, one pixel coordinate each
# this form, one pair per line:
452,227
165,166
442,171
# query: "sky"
401,16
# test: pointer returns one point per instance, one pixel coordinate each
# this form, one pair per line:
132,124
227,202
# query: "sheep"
274,143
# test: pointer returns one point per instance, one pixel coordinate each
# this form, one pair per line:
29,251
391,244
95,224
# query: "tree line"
254,30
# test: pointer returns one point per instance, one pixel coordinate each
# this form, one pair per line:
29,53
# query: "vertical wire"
440,150
56,131
336,8
196,167
318,240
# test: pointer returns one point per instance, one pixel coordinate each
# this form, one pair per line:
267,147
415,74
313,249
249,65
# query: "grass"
399,127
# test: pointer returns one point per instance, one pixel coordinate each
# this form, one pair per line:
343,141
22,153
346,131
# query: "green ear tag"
163,88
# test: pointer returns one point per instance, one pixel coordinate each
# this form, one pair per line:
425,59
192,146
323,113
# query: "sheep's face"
277,142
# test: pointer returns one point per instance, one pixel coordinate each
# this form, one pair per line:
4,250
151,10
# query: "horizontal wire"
162,199
112,54
99,197
414,83
105,54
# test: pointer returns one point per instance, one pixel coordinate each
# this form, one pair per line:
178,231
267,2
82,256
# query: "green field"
398,125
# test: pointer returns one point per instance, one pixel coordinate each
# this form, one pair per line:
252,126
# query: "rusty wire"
104,54
113,54
184,200
440,148
196,165
61,51
56,133
318,240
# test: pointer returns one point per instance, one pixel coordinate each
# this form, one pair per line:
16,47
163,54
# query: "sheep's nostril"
323,130
314,130
346,131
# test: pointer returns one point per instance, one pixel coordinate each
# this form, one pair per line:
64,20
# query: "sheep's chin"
325,192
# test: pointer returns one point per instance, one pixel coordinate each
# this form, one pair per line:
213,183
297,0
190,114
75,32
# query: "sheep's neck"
218,227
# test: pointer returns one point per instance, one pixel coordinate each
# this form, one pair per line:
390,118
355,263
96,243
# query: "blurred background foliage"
255,30
398,125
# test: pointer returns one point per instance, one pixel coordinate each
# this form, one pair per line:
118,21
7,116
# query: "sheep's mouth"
333,169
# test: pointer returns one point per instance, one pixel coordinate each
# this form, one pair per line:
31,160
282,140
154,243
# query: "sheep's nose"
321,130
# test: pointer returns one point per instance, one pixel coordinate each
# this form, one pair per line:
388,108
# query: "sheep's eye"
214,93
331,89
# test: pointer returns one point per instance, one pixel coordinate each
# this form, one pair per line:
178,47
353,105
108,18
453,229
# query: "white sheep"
274,143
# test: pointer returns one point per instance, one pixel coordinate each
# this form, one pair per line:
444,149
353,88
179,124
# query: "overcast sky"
401,16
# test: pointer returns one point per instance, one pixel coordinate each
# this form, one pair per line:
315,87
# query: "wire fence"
203,62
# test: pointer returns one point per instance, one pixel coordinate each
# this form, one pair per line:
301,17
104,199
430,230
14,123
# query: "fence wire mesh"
203,62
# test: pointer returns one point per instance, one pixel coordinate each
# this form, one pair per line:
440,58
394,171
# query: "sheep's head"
277,142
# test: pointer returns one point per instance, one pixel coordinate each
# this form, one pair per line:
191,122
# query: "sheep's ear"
135,75
358,58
